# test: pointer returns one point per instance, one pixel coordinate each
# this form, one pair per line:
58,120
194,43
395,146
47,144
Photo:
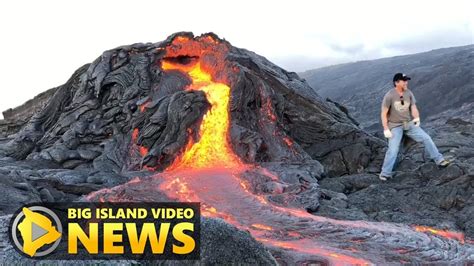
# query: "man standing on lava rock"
400,116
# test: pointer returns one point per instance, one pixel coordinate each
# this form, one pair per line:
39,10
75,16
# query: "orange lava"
143,106
213,148
222,196
135,135
444,233
288,141
142,150
307,247
262,226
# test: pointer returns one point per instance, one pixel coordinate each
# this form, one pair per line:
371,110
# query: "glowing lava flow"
212,149
208,170
223,195
447,234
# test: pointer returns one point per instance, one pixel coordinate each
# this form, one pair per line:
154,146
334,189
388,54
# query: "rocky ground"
420,192
123,117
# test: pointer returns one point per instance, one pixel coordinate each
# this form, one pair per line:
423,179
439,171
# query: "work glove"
416,122
387,133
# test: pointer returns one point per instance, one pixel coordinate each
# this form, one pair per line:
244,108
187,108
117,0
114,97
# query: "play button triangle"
37,231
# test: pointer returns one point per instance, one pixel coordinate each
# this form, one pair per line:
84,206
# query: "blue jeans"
418,135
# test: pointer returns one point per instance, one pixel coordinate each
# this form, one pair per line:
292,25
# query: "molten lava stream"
222,195
208,171
307,237
213,148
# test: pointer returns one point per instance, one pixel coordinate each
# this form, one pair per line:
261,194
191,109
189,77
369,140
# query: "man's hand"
416,122
387,133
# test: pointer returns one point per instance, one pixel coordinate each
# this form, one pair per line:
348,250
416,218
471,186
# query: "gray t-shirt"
398,113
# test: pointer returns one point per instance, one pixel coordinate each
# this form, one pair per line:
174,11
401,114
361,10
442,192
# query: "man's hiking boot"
383,177
444,163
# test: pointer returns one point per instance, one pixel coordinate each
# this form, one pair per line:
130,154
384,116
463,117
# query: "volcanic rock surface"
196,119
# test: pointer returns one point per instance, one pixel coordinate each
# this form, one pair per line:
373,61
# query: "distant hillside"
441,79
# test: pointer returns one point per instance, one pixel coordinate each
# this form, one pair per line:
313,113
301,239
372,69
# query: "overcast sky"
43,42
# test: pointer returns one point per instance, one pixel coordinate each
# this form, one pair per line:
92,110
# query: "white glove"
387,133
416,122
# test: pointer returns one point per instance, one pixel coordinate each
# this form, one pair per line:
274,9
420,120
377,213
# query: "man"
400,116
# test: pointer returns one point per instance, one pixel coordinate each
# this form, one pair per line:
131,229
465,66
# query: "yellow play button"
37,230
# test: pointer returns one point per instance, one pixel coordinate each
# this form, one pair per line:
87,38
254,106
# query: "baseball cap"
400,76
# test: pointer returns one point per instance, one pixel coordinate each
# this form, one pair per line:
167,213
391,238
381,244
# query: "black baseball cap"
400,76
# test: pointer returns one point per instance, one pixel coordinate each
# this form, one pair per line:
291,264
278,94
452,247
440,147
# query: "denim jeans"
418,135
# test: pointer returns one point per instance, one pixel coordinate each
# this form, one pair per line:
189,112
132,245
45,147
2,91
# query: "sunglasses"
401,99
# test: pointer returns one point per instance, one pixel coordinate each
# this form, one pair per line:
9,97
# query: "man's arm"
384,117
384,113
414,112
416,115
386,131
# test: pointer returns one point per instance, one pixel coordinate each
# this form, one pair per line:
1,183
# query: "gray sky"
43,42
